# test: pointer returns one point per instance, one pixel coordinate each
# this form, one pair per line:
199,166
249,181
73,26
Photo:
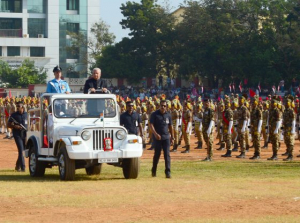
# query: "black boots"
187,150
199,145
289,158
235,148
207,159
222,146
274,157
247,148
174,148
265,145
227,154
241,156
255,157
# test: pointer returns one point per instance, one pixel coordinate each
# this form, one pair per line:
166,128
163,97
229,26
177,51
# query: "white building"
37,30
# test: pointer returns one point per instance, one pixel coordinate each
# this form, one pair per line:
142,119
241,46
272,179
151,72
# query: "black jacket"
92,83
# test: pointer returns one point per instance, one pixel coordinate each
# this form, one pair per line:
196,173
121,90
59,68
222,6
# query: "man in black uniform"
94,83
161,127
18,123
131,120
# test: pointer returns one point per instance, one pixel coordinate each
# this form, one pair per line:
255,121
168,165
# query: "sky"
111,14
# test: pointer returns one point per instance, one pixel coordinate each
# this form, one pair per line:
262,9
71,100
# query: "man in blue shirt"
57,85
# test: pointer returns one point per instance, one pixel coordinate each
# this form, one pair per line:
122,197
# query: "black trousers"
165,146
21,147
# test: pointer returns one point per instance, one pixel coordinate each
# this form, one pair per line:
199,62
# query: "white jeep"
80,131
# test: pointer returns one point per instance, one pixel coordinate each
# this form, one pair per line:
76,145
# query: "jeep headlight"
121,134
86,135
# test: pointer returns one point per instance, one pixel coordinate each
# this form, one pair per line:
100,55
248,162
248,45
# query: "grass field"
220,191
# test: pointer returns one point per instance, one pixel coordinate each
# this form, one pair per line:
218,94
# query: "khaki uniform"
256,117
275,116
208,116
198,122
175,116
289,117
186,117
227,117
243,116
265,126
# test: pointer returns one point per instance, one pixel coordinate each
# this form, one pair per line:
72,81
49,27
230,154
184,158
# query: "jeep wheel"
66,166
94,170
131,168
36,168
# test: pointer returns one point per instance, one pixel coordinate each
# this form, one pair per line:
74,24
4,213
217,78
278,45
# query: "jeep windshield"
84,108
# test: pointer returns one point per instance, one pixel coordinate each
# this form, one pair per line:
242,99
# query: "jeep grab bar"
100,91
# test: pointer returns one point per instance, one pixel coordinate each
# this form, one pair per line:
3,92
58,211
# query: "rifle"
17,123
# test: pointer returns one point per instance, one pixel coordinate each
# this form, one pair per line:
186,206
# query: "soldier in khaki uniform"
242,125
275,123
220,109
289,123
265,125
7,114
208,123
227,119
175,124
247,132
256,125
187,118
198,124
235,107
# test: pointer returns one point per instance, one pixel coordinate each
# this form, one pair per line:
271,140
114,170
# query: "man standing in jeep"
94,83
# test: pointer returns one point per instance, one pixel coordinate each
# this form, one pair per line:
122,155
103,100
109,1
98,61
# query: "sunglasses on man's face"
163,105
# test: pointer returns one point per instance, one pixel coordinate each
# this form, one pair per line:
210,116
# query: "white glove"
244,126
278,124
293,127
200,125
188,128
211,124
259,126
177,124
230,127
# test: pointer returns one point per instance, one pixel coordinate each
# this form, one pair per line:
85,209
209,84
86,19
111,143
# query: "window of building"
0,51
73,54
13,51
73,5
37,6
73,27
37,51
36,27
10,27
11,6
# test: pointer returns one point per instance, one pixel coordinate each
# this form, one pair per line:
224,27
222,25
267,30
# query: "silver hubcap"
62,165
32,162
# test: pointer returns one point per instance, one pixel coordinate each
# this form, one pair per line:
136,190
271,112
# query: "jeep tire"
36,168
94,170
131,167
66,166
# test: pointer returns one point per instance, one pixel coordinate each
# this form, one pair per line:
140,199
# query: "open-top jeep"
80,131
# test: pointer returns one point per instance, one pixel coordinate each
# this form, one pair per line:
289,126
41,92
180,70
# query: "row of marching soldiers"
238,121
8,106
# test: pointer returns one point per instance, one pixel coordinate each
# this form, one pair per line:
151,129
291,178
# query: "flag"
259,87
6,113
240,86
9,94
230,87
233,87
252,93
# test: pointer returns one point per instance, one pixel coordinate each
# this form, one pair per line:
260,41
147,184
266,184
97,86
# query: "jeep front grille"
99,135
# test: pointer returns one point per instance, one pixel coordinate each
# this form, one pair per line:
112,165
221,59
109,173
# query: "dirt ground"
239,209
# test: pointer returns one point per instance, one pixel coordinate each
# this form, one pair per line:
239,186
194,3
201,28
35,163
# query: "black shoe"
298,156
10,137
200,145
6,137
20,170
274,157
168,175
208,159
289,158
255,157
247,148
285,154
221,148
186,151
241,156
227,154
265,146
151,148
173,150
153,174
144,146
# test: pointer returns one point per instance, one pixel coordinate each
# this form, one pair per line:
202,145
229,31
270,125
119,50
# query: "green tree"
21,77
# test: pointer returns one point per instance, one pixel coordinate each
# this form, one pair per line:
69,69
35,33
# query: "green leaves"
26,74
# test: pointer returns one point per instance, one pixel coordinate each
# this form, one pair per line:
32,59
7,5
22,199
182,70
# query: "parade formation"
237,122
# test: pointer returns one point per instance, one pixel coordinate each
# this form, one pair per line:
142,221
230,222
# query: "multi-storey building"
38,30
